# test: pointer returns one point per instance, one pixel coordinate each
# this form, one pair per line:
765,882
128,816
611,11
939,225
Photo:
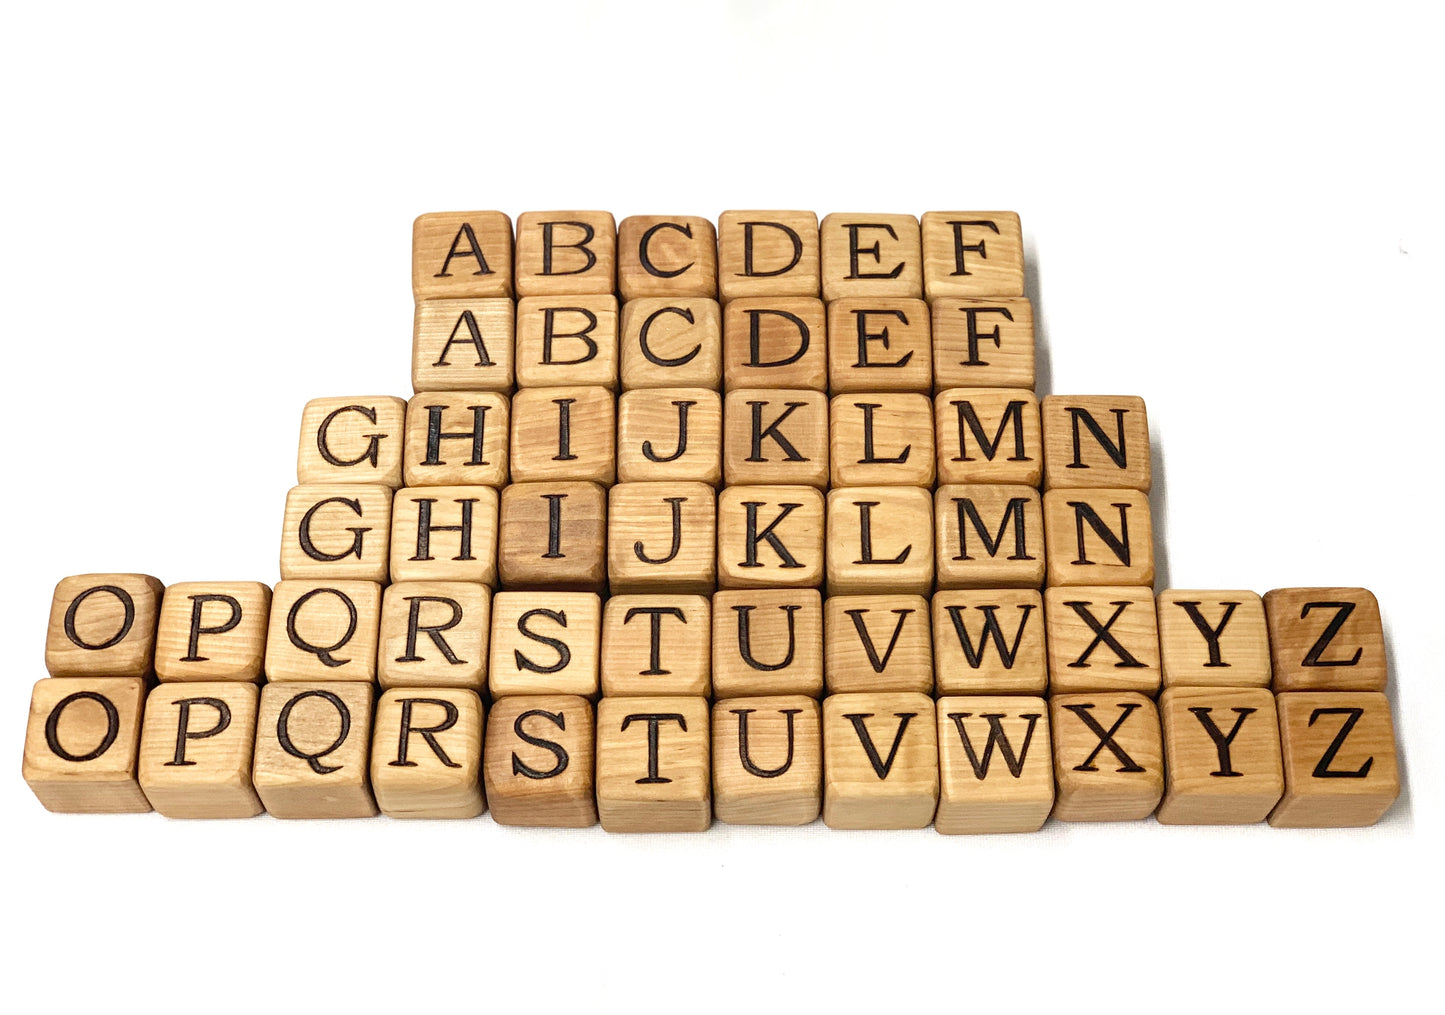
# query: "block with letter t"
426,753
352,440
537,765
666,256
1098,537
566,253
1095,441
461,254
654,764
972,253
657,644
996,768
871,255
768,253
103,625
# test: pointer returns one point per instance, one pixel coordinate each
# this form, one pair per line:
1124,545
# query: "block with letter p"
213,631
196,749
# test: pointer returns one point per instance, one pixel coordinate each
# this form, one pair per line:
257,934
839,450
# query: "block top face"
323,630
654,766
1102,639
881,439
312,742
213,631
877,643
775,435
989,641
972,253
668,434
351,440
1098,537
768,253
457,438
1213,638
983,343
566,253
567,339
770,537
870,255
989,536
463,345
1095,441
1341,769
81,744
334,530
657,644
1326,639
767,761
666,255
564,433
880,760
461,254
775,342
545,643
879,344
1221,753
103,625
989,435
671,342
880,539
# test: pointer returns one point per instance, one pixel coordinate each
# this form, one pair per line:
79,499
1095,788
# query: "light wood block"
1093,441
461,254
1326,639
768,253
196,746
81,744
545,643
312,745
877,643
880,539
352,440
670,342
463,345
1340,767
336,531
775,342
870,255
880,761
1108,756
1102,638
662,537
654,771
881,439
426,753
564,340
213,631
989,435
775,436
767,760
444,533
996,769
972,253
989,536
537,765
989,641
564,433
670,435
457,438
666,256
1098,537
556,536
566,253
767,641
879,344
1221,754
770,537
103,625
656,644
323,630
435,634
983,343
1213,638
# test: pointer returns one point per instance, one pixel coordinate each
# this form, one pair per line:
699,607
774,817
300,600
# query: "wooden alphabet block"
213,631
463,345
461,254
880,760
767,641
352,440
870,255
564,433
103,625
656,644
670,435
989,642
879,344
671,342
881,439
1340,768
989,435
435,634
972,253
1221,754
775,342
877,643
426,753
537,765
196,746
566,253
983,343
880,539
545,643
1098,537
662,537
556,536
667,256
996,769
81,744
1326,639
654,770
775,436
337,532
770,537
1101,639
457,438
323,630
567,340
444,533
1094,441
1213,638
989,536
768,253
312,745
767,760
1108,756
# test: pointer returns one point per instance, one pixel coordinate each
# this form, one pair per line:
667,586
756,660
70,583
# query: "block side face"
989,641
1213,638
654,781
995,765
1326,639
426,753
312,746
196,749
1340,764
767,760
1222,755
538,765
103,625
1108,756
81,745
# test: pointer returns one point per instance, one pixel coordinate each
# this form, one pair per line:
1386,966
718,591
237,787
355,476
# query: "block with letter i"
461,254
564,434
670,435
879,344
880,539
213,631
989,435
566,253
870,255
972,253
1108,756
767,763
444,533
426,753
545,643
767,642
323,630
775,436
877,643
1340,765
671,343
1098,537
880,760
983,342
657,644
336,531
662,537
103,625
1096,441
457,438
989,536
996,769
1222,755
767,253
197,744
312,744
567,340
654,765
434,634
1326,639
989,641
81,744
775,342
770,537
665,256
463,345
1213,638
537,765
881,439
556,536
351,440
1102,638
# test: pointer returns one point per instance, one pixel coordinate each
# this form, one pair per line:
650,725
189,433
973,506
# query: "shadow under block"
989,536
1326,639
972,253
666,256
426,753
670,435
564,433
566,253
567,340
457,438
336,531
312,745
1340,767
768,253
770,537
197,743
444,533
767,760
323,630
538,762
880,760
989,435
1093,441
879,344
1222,755
671,343
775,342
877,643
213,631
656,644
983,343
662,537
103,625
463,345
1098,537
880,539
461,254
881,439
434,634
352,440
1108,756
545,643
989,641
1213,638
996,768
775,435
556,536
1102,639
870,255
767,641
81,744
654,770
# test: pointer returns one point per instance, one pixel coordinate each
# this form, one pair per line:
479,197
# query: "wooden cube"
989,536
463,345
444,533
775,342
879,344
435,634
1213,638
81,744
213,631
767,641
1326,639
556,536
196,746
670,435
1093,441
1221,754
1098,537
881,439
564,433
657,644
996,769
767,760
989,641
877,643
312,745
870,255
1108,756
323,630
983,343
426,753
972,253
564,340
461,254
662,537
670,342
352,440
654,770
880,760
1340,768
545,643
337,532
767,253
103,625
989,435
666,255
537,765
1102,638
880,539
566,253
770,537
775,436
457,438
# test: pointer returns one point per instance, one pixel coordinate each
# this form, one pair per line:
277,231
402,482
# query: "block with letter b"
352,440
989,535
1213,638
463,345
566,253
1222,755
767,641
654,764
81,744
434,634
768,253
213,631
996,768
461,254
880,760
1094,441
870,255
1326,639
770,537
989,641
1340,765
1098,537
103,625
1108,756
670,434
564,434
881,439
323,630
444,533
196,749
662,537
657,644
556,536
336,531
989,435
1102,638
545,643
426,753
983,343
972,253
666,255
671,343
877,643
567,340
537,765
775,436
775,342
312,745
879,344
457,438
767,760
880,539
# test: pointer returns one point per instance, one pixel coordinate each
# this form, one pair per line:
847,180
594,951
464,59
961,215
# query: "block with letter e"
103,625
767,764
879,344
996,769
538,762
197,745
426,753
880,760
654,765
81,744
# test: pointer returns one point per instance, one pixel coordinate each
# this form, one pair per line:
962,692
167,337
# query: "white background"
1231,212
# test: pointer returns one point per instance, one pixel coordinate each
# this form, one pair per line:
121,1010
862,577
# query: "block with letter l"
880,539
881,439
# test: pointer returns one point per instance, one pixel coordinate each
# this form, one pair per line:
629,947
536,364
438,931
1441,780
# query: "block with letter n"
1098,537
